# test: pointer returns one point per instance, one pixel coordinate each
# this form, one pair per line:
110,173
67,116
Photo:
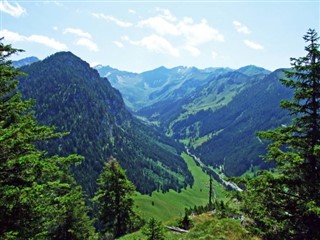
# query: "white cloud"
15,11
132,11
118,44
49,42
214,55
127,39
77,32
12,36
88,44
241,28
109,18
166,14
57,3
55,28
44,40
160,25
200,33
155,43
192,50
193,34
84,40
253,45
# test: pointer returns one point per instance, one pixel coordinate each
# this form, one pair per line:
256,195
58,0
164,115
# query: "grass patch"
212,228
207,226
166,206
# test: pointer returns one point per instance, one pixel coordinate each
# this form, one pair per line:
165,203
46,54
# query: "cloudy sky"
142,35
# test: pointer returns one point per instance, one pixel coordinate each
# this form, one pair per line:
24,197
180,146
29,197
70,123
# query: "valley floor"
166,206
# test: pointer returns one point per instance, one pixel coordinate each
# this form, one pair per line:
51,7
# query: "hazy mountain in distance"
24,62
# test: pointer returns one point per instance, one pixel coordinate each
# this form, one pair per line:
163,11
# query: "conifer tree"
285,203
30,182
153,230
114,200
72,221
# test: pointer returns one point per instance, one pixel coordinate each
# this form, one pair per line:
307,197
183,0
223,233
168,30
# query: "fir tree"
73,222
153,230
114,200
285,203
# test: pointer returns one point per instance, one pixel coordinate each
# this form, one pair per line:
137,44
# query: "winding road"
224,182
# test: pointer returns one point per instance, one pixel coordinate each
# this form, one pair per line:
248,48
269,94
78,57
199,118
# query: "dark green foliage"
153,230
71,213
186,223
221,210
73,97
114,200
33,187
285,203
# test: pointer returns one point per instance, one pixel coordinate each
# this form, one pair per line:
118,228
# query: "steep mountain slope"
73,97
227,136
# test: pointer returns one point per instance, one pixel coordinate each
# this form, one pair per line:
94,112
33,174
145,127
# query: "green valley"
169,205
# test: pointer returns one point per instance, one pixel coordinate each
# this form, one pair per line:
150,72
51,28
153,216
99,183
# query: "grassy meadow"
166,206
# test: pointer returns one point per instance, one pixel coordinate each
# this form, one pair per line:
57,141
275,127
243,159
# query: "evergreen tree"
153,230
30,182
114,200
186,222
69,205
285,203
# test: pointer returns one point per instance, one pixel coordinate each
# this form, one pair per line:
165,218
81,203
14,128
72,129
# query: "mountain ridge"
72,96
191,110
25,61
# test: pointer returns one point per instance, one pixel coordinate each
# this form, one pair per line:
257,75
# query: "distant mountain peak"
252,70
65,54
25,61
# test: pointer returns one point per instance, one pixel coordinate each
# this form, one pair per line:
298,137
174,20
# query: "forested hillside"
215,111
229,133
72,96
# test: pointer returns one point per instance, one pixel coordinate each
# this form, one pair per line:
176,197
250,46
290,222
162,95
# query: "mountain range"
146,119
216,112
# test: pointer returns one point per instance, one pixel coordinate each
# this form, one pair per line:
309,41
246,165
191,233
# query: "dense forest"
72,97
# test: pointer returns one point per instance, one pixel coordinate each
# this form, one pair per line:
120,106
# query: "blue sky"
142,35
